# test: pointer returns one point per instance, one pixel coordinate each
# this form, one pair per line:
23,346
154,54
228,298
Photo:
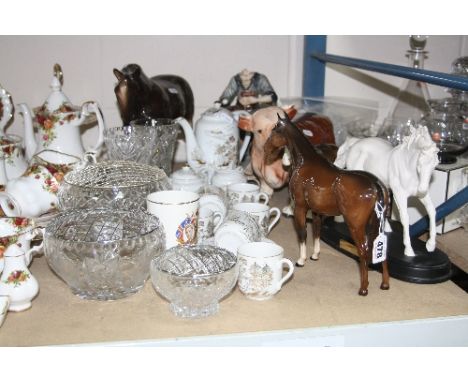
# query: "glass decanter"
411,102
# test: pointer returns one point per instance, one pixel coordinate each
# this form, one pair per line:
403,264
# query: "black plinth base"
424,268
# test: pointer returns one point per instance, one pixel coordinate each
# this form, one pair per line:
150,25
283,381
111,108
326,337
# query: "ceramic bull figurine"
318,129
162,96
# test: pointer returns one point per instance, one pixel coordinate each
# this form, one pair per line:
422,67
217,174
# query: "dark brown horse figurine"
317,185
163,96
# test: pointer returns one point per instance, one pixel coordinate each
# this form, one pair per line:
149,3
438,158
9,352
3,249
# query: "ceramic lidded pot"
186,179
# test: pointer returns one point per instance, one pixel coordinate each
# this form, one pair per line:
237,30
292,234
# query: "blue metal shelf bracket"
431,77
456,201
314,71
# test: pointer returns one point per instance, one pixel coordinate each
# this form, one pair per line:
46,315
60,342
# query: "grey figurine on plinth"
250,91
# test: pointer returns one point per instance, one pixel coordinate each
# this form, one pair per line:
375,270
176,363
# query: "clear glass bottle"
460,68
411,102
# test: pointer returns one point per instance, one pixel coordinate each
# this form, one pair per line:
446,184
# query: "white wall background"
207,62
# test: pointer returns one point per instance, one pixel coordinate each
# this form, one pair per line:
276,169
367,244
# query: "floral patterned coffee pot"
57,123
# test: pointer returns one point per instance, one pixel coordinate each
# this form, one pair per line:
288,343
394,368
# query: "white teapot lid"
220,114
56,98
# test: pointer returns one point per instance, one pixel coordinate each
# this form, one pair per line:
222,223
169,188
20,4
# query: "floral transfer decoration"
50,184
17,277
9,149
46,120
5,242
19,223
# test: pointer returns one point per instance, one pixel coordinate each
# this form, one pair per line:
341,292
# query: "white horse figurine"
406,169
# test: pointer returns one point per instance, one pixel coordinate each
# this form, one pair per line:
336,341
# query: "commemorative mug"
178,212
261,269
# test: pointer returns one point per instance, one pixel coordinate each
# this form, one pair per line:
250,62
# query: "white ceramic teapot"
214,142
58,124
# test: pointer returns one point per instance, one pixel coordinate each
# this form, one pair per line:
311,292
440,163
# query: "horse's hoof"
385,287
430,246
299,265
313,258
363,292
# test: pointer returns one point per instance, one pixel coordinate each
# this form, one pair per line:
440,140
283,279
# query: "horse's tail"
381,208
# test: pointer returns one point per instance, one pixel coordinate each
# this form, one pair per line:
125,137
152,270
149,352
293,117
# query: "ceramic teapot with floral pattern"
55,126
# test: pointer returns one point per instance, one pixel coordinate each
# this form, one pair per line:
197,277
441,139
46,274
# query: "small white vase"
17,281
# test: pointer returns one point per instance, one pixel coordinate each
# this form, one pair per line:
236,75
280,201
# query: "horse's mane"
420,138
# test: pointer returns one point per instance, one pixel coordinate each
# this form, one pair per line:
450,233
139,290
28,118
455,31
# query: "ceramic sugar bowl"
186,179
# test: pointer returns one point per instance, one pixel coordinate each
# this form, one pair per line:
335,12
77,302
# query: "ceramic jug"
12,161
214,142
20,231
6,109
17,281
58,123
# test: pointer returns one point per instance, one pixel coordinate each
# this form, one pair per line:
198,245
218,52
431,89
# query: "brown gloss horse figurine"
317,185
163,96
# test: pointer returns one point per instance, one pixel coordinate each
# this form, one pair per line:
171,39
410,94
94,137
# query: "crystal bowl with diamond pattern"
194,278
103,254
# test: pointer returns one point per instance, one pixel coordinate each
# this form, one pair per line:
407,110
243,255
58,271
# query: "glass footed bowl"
122,185
194,278
103,254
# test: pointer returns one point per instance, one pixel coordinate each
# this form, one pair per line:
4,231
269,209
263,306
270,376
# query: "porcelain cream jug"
58,123
17,281
21,231
214,142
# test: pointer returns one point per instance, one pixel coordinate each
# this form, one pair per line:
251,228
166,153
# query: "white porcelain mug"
265,216
261,269
178,212
245,192
208,223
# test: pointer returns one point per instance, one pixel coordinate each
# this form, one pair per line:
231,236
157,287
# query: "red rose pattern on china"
46,121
